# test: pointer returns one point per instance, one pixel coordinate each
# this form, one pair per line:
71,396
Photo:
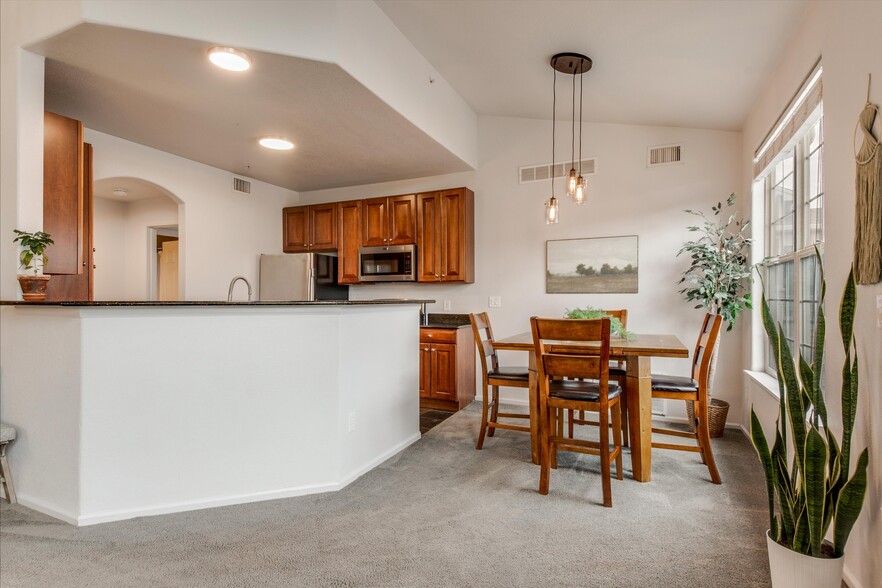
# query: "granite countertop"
447,321
223,303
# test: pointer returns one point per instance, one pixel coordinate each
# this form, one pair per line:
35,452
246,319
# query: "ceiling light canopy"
229,58
278,143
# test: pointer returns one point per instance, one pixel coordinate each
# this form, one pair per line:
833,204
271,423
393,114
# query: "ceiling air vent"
537,173
241,186
664,155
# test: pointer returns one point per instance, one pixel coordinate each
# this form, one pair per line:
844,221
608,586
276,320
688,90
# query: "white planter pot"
795,570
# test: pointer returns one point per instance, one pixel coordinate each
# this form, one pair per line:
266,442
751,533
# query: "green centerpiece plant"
615,325
814,490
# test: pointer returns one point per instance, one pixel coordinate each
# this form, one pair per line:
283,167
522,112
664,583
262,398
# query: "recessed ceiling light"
120,192
229,58
276,143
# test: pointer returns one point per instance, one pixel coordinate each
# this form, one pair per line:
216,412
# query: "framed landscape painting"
602,265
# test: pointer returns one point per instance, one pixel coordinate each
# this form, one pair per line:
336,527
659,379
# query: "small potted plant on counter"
814,491
33,257
718,279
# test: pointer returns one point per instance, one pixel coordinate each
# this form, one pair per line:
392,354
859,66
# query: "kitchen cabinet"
348,241
447,368
446,236
79,287
309,228
63,213
389,220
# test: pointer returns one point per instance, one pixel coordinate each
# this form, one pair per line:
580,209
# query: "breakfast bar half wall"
132,409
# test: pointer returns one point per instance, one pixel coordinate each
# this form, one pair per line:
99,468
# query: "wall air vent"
537,173
664,155
241,186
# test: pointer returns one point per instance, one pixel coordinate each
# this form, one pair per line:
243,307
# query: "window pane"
809,294
779,295
782,210
813,209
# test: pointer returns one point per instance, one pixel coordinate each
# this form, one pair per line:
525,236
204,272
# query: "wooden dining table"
637,352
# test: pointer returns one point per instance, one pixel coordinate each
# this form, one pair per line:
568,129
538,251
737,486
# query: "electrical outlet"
495,302
351,421
446,305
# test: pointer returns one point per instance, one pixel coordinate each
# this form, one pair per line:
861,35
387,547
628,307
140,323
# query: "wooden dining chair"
571,379
493,377
693,389
617,372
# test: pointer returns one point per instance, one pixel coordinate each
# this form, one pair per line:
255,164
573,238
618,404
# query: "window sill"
765,381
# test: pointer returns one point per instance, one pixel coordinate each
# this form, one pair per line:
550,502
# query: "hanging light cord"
573,143
553,124
580,118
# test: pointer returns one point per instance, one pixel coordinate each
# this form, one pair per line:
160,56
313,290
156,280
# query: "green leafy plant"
814,491
615,325
33,247
719,275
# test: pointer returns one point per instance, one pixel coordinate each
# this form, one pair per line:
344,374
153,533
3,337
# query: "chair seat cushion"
509,373
583,390
7,433
664,383
617,368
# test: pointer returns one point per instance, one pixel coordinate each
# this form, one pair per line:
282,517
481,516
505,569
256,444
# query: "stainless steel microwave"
392,263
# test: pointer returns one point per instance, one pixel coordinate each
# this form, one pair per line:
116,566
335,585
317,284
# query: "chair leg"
559,420
495,411
623,402
604,458
6,474
545,429
617,437
707,451
570,414
695,420
484,409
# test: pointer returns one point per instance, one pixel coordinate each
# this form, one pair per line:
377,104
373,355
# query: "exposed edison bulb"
551,210
581,190
571,183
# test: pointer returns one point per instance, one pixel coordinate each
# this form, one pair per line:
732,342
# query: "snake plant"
814,490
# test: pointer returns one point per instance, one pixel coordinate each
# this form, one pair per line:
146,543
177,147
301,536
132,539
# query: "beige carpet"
438,514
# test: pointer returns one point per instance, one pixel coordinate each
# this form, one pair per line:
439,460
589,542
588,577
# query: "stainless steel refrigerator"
300,276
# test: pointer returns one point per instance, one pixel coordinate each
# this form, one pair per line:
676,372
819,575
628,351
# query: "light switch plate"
495,302
447,305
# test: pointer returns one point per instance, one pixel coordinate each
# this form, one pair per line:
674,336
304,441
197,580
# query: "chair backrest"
705,347
621,314
555,360
484,341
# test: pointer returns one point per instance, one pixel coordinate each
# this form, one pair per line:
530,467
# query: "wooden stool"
7,434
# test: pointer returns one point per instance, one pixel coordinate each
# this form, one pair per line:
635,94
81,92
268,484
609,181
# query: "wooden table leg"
639,391
534,408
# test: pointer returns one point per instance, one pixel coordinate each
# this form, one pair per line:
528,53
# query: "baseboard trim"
121,515
42,507
360,471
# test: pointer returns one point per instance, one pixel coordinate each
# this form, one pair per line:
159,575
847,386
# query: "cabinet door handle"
443,275
94,266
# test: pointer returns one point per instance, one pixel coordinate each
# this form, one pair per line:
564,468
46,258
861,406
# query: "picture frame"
592,265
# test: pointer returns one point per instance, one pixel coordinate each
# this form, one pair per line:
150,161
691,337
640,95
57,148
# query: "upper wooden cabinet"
446,236
390,220
348,241
63,213
309,228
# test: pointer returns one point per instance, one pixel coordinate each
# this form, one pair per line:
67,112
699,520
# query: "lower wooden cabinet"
447,368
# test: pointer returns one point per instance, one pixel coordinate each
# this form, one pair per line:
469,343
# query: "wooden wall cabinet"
390,220
447,368
63,213
446,236
348,241
309,228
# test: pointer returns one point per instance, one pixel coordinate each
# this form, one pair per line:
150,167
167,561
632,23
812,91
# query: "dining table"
637,351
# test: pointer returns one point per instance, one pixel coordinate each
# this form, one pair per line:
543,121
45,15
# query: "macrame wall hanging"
868,206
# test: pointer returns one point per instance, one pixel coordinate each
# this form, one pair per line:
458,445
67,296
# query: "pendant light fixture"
572,64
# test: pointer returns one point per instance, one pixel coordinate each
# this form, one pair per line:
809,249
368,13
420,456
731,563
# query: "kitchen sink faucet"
233,283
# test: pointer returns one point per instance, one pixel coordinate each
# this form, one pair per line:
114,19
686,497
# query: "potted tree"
718,279
33,257
814,491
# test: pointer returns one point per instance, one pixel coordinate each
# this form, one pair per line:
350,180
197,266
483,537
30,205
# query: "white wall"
625,198
141,215
846,36
109,240
222,233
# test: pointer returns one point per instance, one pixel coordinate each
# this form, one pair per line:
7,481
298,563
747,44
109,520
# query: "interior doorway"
164,262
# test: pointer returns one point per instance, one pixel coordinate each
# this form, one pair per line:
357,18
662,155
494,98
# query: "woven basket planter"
717,413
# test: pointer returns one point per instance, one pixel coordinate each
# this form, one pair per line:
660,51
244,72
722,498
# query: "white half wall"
845,35
625,198
222,233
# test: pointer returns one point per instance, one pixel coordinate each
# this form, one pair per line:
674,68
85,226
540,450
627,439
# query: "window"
794,224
